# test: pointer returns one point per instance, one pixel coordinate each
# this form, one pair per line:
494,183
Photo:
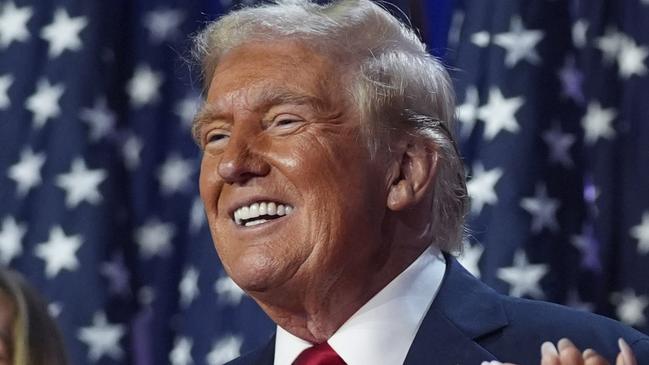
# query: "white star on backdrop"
181,354
81,184
44,103
154,238
175,174
197,215
579,29
102,338
588,248
131,150
13,24
143,88
146,296
59,252
641,233
470,258
542,208
117,274
519,43
63,32
27,172
224,350
100,119
481,187
481,39
631,58
228,291
630,307
523,278
163,24
187,108
559,145
11,239
498,113
468,111
54,309
573,300
597,123
610,44
188,287
571,81
5,84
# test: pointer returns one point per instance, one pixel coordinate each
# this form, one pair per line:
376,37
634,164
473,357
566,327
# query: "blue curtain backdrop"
98,172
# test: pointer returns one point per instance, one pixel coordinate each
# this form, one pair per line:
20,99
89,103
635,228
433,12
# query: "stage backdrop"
98,182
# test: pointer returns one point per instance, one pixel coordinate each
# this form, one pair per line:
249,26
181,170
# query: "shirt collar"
389,320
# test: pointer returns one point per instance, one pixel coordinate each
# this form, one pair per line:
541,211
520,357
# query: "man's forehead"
257,98
262,96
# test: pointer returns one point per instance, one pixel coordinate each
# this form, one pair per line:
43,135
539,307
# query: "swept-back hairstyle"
35,338
394,82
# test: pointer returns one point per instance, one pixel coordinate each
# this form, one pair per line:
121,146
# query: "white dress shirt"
382,330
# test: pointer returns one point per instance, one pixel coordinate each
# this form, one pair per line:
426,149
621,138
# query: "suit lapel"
267,355
463,310
261,356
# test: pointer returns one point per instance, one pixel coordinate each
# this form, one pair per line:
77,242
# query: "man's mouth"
260,212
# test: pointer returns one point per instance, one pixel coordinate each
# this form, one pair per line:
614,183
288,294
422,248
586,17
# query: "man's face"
291,194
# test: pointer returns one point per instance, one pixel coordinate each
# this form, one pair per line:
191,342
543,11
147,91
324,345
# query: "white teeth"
257,209
256,222
254,210
244,213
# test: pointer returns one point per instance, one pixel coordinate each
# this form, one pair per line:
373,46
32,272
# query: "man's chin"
255,275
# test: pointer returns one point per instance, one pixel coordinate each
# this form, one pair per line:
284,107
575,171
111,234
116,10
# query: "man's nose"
240,163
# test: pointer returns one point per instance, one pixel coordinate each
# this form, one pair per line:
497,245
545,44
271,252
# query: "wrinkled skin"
278,125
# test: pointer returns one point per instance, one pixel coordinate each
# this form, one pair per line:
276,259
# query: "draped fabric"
98,172
554,130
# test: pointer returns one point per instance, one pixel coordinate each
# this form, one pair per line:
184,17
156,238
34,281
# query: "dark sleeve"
641,350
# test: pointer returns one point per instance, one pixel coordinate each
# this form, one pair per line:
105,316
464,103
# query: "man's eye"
281,122
286,124
216,138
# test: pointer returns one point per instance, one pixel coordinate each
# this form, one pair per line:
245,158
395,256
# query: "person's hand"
566,353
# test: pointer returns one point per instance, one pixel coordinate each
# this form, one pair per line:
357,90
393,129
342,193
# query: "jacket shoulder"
533,322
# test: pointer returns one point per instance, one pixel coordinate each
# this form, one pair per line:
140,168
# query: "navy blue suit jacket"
468,323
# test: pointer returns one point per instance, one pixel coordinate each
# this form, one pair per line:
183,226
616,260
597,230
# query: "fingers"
568,353
549,354
593,358
626,353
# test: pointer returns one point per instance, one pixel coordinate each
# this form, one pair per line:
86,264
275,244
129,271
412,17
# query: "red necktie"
320,354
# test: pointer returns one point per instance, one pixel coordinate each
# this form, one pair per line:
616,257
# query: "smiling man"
335,195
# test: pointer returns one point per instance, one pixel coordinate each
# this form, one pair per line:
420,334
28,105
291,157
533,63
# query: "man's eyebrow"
272,97
206,114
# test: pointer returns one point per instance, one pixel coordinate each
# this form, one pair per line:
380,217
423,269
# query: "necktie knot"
320,354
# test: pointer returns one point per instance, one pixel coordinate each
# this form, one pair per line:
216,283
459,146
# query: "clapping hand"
566,353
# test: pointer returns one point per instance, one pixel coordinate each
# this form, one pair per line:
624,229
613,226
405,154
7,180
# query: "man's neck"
323,308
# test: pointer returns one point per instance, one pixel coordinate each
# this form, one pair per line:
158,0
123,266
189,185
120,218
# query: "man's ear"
417,168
